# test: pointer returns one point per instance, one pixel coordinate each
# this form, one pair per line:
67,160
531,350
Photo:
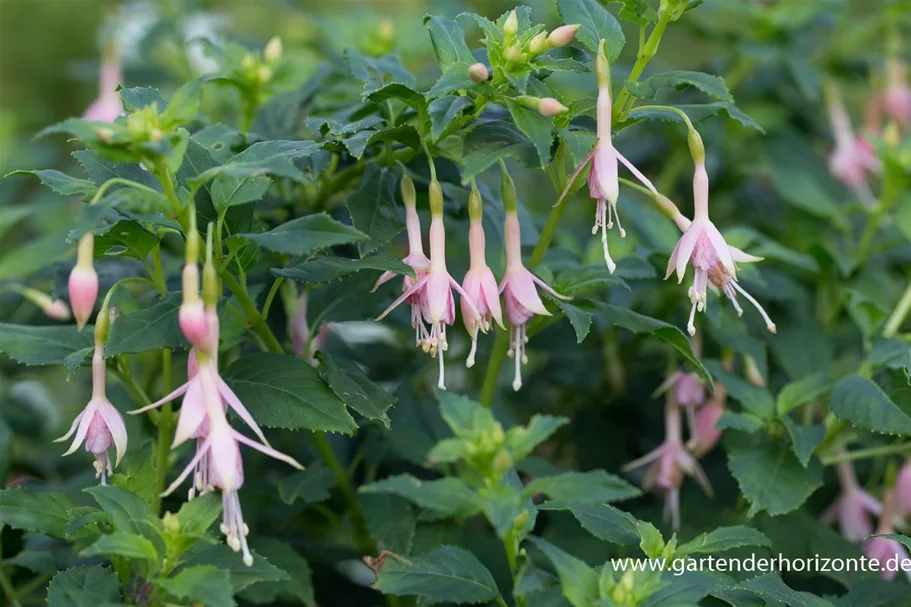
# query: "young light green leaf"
797,393
199,514
264,158
447,574
722,539
578,580
448,41
521,440
121,543
203,584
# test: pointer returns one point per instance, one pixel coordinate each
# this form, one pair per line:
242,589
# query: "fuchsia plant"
854,506
108,104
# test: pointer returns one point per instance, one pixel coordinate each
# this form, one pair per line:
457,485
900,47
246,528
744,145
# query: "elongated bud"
103,323
563,35
192,244
210,288
475,204
697,148
249,62
83,281
478,72
511,26
56,309
273,51
602,67
539,44
409,196
508,192
514,53
435,194
551,107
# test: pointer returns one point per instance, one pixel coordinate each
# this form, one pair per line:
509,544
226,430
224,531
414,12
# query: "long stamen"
617,216
690,325
768,321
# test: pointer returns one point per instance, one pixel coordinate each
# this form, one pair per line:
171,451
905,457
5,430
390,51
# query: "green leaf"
578,581
669,334
745,422
124,238
771,478
757,400
242,576
264,158
444,111
539,129
372,207
231,190
601,520
95,586
152,328
129,513
101,169
283,556
391,520
204,584
397,90
454,78
311,485
799,392
138,97
327,269
496,140
696,113
61,183
448,496
597,23
804,439
521,440
770,587
861,402
712,86
306,235
33,256
354,389
47,513
594,486
121,543
446,574
448,41
283,391
722,539
504,504
199,514
466,418
50,345
580,320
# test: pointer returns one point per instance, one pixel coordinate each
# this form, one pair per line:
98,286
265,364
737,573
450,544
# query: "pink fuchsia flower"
83,281
668,464
703,433
603,176
303,343
853,159
703,247
520,295
53,308
100,424
903,490
438,304
853,507
479,283
419,263
890,554
688,389
897,96
217,462
108,105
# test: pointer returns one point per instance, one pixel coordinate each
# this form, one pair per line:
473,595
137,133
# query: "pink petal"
192,414
465,296
549,289
607,173
439,296
224,457
522,288
383,279
200,452
645,459
692,467
72,429
178,392
740,257
572,178
721,248
636,172
118,430
666,385
414,289
267,450
684,249
86,419
491,297
242,412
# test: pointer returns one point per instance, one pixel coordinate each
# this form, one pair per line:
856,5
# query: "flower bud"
602,67
539,44
409,197
511,26
478,72
264,74
273,51
551,107
475,204
508,192
697,148
514,53
58,310
83,281
210,287
563,35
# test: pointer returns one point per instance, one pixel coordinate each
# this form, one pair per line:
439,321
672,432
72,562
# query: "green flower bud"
511,26
539,44
273,51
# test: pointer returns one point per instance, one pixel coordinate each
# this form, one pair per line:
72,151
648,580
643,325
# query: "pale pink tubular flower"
903,490
853,158
689,389
853,507
438,304
479,283
668,465
303,342
520,295
703,433
100,424
53,308
889,553
603,177
416,259
83,281
897,97
108,105
703,247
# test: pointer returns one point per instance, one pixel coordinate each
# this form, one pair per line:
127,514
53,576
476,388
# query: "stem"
167,184
257,322
7,586
870,452
165,428
361,535
275,285
898,314
649,50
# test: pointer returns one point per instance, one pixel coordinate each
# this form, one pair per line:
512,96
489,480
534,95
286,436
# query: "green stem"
257,322
165,428
898,314
648,51
868,453
166,179
8,589
361,535
275,286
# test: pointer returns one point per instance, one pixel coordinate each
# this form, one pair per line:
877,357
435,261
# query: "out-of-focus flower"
703,433
853,507
108,104
897,96
303,342
689,389
853,159
903,490
54,308
889,553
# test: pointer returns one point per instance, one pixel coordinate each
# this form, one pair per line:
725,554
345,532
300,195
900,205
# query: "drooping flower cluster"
430,292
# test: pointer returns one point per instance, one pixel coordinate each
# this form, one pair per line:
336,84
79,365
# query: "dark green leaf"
357,391
595,486
597,24
61,183
601,520
712,86
578,318
327,269
722,539
804,439
444,111
204,584
769,586
539,129
306,235
264,158
283,556
372,207
46,513
448,496
152,328
225,559
578,581
859,401
447,574
448,41
95,586
43,345
311,485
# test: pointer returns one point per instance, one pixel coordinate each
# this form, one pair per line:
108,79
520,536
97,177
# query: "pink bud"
551,107
705,435
897,103
194,325
478,72
889,554
903,490
563,35
83,286
58,310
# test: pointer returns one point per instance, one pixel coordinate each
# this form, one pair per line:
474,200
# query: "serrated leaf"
804,438
539,129
203,584
770,587
580,320
306,235
756,399
722,539
95,586
50,345
356,390
771,478
199,514
264,158
712,86
448,496
311,485
521,440
496,140
124,238
448,41
46,513
697,113
61,183
101,169
861,402
326,269
467,418
578,581
446,574
797,393
121,543
601,520
283,556
594,486
152,328
372,207
138,97
444,111
283,391
596,22
223,558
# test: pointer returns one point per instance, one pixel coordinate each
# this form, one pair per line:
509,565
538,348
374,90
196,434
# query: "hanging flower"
689,389
603,176
479,283
889,553
100,424
108,104
669,463
897,97
83,281
520,296
703,247
438,304
853,507
853,158
192,314
704,434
